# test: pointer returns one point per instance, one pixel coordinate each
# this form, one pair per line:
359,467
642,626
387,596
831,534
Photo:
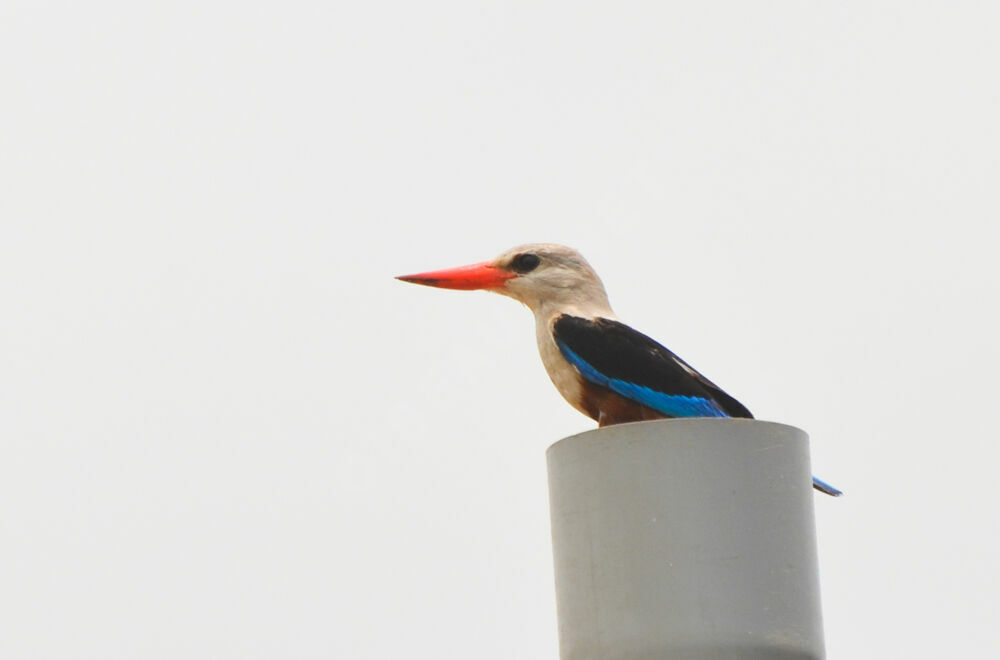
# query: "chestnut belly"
609,407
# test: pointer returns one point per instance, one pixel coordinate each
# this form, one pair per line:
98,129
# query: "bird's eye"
525,263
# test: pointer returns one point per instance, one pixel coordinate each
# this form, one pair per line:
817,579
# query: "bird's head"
544,276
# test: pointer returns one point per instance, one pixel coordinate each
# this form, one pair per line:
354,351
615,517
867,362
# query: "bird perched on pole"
602,367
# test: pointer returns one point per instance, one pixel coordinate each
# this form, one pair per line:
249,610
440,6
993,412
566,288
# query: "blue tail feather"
824,487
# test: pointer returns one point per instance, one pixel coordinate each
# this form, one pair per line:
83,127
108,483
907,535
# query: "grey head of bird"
553,277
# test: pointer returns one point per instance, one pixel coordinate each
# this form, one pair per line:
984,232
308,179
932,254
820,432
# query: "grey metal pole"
685,539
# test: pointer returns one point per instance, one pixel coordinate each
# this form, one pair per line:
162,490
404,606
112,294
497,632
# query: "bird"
601,366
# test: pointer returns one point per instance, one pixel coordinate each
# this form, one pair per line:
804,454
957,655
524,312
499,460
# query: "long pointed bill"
473,276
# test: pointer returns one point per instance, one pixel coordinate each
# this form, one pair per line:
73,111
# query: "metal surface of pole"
685,539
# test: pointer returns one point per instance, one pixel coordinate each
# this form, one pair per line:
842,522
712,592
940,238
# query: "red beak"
473,276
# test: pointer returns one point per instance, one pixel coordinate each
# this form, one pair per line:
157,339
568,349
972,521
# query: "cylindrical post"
685,539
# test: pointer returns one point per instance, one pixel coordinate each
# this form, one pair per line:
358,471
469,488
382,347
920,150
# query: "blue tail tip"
824,487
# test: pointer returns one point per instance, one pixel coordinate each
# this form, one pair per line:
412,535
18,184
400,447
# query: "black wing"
613,355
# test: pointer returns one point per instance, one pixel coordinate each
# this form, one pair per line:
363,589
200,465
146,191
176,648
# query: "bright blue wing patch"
675,405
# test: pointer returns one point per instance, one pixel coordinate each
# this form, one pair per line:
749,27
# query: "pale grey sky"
227,432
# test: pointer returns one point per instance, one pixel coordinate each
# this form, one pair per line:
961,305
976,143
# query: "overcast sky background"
227,432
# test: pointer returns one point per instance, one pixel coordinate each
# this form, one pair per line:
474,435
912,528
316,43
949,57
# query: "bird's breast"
562,374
